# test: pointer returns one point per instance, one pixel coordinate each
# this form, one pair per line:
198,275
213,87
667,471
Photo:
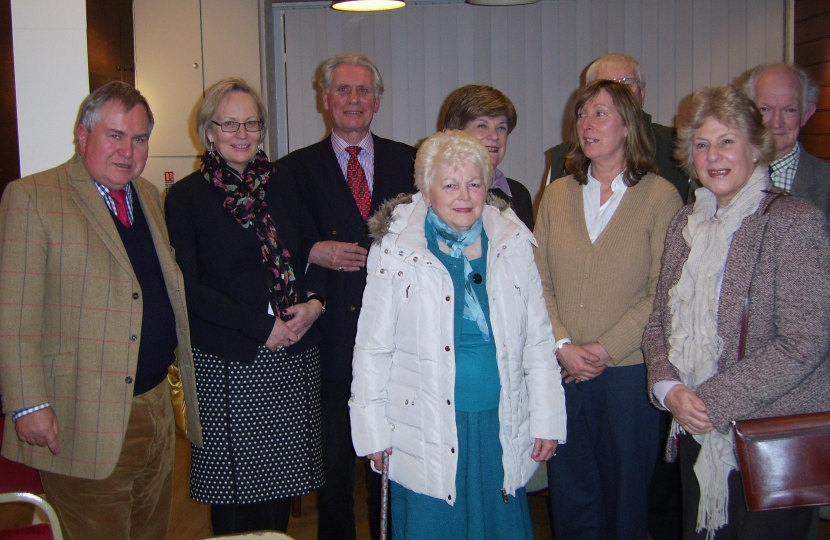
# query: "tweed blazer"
70,317
812,181
785,256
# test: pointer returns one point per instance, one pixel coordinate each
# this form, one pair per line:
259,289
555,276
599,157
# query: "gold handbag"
174,379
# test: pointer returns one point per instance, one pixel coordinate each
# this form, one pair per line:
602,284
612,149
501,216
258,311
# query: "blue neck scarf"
457,241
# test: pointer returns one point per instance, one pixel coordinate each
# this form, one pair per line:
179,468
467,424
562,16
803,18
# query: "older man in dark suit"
343,179
91,310
787,97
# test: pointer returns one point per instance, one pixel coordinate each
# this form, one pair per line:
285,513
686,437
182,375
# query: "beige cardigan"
603,292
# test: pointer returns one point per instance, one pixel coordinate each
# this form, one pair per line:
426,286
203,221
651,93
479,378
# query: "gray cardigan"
786,368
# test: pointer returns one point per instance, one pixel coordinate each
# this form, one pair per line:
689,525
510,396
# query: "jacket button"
133,337
406,402
135,296
392,427
449,402
128,380
447,298
334,233
352,308
449,497
400,253
382,270
400,273
415,259
452,450
386,251
447,348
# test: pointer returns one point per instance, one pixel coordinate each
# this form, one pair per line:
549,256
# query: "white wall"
51,78
534,53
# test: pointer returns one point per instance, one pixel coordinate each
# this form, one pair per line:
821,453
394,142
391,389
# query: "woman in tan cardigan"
600,234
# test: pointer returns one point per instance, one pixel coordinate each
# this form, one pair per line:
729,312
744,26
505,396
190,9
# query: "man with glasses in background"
625,69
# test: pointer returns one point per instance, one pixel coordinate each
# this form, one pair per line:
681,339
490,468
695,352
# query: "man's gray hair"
326,68
89,113
591,74
810,91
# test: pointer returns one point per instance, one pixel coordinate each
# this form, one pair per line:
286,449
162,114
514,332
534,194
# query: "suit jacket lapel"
337,193
92,206
803,175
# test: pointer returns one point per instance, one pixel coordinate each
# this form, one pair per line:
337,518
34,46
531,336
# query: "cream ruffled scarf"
695,346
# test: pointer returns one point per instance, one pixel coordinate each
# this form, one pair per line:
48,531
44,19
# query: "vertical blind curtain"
535,53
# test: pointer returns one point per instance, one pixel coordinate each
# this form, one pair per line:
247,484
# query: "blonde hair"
450,147
732,108
213,98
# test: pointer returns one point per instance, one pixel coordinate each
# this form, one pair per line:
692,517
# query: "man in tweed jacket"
92,309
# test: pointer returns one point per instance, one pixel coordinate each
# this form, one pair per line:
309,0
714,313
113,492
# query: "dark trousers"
336,497
789,524
599,479
239,518
664,506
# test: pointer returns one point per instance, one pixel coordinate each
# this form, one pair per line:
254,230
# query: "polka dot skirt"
261,425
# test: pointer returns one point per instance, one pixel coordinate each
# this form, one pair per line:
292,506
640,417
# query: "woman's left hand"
543,450
304,316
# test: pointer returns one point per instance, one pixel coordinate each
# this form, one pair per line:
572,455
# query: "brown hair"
469,102
638,147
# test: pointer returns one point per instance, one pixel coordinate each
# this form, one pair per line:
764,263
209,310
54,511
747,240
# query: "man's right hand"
341,256
39,428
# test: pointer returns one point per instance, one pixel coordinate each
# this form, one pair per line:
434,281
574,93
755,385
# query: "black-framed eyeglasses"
229,126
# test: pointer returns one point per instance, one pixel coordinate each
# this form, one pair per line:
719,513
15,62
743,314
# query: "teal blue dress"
481,511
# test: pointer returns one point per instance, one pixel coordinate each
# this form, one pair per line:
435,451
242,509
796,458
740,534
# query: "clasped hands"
582,362
287,333
341,256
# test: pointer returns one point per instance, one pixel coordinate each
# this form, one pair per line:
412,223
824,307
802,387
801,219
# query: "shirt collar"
500,182
789,160
617,184
339,145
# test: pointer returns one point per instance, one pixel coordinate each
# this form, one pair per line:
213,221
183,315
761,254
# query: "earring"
212,149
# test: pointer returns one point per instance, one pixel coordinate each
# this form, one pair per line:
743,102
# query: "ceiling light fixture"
367,5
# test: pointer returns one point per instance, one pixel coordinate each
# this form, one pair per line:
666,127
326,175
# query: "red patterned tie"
357,182
119,197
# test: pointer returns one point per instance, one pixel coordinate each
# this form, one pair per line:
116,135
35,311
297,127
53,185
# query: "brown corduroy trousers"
134,502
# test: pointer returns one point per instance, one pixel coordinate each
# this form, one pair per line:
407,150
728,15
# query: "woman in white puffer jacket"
454,369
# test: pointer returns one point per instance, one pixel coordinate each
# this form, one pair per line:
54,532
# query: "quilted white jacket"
404,363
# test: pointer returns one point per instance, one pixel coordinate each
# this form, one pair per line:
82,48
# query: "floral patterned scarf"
245,201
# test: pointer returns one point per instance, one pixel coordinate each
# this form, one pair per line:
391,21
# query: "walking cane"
384,498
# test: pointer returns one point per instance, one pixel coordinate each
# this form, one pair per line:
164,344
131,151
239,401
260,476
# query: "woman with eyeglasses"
242,239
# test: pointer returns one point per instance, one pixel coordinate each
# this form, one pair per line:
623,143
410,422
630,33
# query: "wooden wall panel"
537,54
9,155
812,52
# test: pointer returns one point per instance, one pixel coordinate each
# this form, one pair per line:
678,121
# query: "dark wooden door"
110,42
812,52
9,155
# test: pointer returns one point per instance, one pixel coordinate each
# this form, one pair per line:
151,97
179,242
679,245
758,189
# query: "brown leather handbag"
784,460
